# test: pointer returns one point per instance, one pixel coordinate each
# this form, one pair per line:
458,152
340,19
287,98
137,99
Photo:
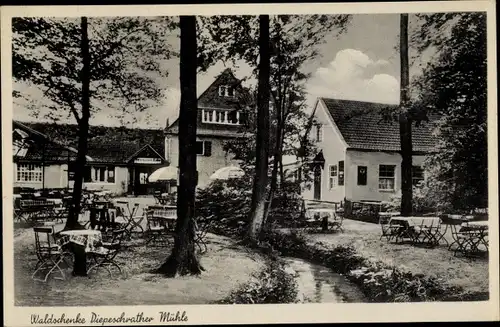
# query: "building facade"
119,160
360,152
220,119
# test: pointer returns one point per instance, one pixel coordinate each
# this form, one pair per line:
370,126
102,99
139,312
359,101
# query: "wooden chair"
160,221
462,240
50,255
104,256
201,228
389,230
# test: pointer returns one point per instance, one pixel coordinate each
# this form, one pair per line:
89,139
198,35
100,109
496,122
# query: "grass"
439,262
227,266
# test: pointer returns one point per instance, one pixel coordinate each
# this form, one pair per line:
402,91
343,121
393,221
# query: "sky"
361,64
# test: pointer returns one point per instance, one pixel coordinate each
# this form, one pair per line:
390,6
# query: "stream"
319,284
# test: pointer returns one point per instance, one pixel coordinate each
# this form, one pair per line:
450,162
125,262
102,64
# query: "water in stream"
319,284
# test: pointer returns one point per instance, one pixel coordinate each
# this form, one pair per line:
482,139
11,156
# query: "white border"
223,314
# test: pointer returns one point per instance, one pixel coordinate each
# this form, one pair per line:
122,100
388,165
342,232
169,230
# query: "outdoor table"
412,227
389,214
326,214
81,242
55,201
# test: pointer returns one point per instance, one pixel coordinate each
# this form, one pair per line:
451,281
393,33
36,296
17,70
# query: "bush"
274,284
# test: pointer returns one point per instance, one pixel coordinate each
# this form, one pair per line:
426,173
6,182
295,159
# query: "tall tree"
262,145
84,65
405,122
183,258
453,87
294,40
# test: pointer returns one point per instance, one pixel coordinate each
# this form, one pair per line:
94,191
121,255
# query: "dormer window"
225,117
226,91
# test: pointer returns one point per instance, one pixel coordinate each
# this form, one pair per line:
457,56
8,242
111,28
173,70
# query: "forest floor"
471,274
227,265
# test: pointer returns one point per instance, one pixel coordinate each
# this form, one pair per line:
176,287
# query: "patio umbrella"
226,173
168,173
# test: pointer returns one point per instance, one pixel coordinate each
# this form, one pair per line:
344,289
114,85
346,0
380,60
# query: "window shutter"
341,172
362,175
208,148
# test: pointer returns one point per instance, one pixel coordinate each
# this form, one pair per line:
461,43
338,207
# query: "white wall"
372,160
206,166
54,177
334,150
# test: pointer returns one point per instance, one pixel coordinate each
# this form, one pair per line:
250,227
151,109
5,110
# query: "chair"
461,239
50,255
160,221
132,221
201,228
338,220
389,230
104,256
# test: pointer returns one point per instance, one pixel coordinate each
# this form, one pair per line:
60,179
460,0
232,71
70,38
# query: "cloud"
353,75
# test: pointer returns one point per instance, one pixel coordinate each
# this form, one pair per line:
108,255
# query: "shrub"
274,284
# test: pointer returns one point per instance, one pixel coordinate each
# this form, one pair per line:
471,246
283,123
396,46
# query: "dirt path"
227,265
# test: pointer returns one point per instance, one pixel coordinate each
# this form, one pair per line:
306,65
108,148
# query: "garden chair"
129,215
423,233
201,228
389,230
462,240
160,221
49,253
104,256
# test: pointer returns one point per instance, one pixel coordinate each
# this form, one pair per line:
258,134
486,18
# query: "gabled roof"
40,146
114,145
210,99
363,126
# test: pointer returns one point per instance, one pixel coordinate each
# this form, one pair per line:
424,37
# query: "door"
141,180
317,183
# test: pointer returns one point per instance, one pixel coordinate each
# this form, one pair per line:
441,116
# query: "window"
319,133
29,173
204,148
417,175
362,175
341,173
143,178
99,174
220,117
333,176
226,91
386,177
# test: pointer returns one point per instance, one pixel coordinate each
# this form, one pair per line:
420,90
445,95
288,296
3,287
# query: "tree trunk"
405,124
276,164
183,260
261,165
83,132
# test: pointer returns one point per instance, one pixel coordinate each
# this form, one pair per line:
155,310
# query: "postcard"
250,163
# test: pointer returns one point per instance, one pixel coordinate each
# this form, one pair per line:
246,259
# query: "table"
80,242
328,215
416,227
